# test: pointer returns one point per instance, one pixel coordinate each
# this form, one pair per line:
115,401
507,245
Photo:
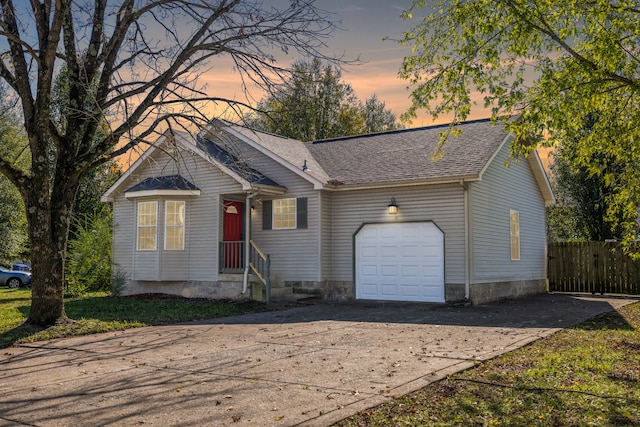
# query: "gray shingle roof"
229,160
294,152
172,182
406,155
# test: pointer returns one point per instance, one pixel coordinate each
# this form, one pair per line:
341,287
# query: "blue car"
14,279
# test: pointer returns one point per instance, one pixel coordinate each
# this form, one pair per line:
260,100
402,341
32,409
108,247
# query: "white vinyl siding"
147,226
123,236
202,217
174,225
325,234
284,214
295,253
501,190
514,226
441,204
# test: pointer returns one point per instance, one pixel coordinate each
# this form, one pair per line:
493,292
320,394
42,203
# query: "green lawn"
102,313
588,375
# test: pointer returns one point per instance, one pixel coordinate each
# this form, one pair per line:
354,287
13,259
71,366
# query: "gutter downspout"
467,243
247,218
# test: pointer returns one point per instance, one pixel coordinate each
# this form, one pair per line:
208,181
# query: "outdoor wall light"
253,209
393,207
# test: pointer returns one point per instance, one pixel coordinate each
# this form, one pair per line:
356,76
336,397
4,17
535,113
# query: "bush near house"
88,267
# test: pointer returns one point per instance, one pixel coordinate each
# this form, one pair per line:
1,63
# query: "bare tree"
133,71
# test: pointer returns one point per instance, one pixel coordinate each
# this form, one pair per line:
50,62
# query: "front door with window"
232,236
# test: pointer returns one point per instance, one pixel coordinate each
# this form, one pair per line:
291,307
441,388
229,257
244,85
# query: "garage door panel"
387,233
409,271
409,251
388,251
389,289
400,262
411,291
369,251
369,270
389,270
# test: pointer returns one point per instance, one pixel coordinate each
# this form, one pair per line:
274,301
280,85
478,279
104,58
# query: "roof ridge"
397,131
229,123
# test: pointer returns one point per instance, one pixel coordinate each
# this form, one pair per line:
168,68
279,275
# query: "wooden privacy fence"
596,267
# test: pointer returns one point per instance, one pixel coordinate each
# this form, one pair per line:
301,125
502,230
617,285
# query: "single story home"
234,212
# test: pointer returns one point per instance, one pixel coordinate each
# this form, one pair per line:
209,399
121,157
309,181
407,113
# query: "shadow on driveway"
539,311
307,365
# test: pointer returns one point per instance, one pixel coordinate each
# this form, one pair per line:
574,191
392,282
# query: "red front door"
232,235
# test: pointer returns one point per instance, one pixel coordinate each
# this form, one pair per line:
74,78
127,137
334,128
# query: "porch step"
291,297
280,291
282,294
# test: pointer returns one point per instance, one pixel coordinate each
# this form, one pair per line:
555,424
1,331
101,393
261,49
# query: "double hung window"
147,226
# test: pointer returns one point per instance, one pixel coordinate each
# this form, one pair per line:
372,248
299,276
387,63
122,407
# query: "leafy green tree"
377,118
89,259
581,211
13,222
96,183
551,64
133,73
316,104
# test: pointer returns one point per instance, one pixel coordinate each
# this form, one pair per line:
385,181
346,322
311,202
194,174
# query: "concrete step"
280,291
282,294
292,297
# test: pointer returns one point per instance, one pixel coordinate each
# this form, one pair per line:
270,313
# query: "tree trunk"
48,217
47,286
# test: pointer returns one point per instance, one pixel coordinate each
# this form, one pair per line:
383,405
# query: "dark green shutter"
301,214
266,214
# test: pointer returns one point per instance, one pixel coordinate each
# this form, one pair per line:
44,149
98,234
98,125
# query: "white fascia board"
541,178
396,184
159,193
317,185
106,197
268,190
507,139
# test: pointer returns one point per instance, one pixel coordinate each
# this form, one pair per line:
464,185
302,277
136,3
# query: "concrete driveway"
308,365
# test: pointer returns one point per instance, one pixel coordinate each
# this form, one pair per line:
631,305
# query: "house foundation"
482,293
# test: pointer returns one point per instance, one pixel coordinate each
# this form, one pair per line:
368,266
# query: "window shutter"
301,214
266,214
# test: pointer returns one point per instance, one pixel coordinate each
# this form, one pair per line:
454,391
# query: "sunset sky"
364,24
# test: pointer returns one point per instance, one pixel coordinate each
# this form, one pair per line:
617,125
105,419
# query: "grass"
588,375
102,313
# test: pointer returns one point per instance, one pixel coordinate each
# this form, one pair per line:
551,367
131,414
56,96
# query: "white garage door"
400,262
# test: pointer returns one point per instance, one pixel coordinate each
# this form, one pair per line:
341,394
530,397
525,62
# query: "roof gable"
187,141
290,153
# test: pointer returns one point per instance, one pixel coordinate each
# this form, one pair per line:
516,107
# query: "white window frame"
514,234
140,226
276,213
174,226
